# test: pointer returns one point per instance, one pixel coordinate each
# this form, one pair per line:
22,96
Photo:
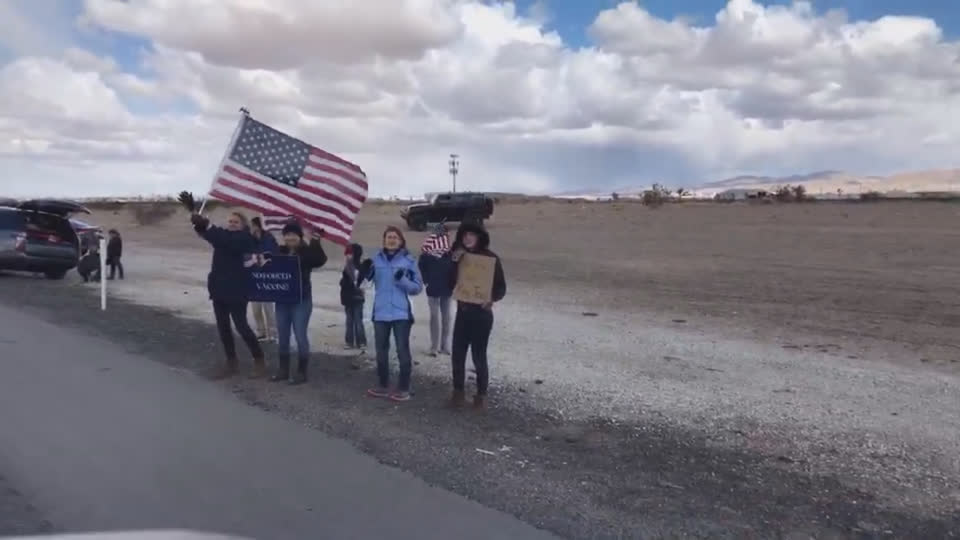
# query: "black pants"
471,330
224,311
114,266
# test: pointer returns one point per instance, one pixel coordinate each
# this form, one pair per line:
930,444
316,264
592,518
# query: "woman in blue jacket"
395,278
227,286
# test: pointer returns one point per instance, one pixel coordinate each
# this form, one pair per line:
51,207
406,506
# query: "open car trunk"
51,236
57,207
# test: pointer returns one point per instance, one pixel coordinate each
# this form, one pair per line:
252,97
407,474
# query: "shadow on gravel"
589,479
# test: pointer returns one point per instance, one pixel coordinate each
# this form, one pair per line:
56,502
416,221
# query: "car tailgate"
49,245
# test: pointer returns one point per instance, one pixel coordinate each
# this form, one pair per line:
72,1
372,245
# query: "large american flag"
280,176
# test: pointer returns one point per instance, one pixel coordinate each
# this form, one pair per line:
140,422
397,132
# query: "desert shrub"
783,194
655,196
615,196
871,196
799,193
153,212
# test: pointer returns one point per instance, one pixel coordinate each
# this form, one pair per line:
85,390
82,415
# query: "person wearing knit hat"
437,267
352,298
296,317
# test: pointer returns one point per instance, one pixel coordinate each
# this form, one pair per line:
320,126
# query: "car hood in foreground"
132,535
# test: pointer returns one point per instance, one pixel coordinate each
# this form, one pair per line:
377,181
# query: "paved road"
99,439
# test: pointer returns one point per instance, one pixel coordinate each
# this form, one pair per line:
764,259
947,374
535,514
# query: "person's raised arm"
314,254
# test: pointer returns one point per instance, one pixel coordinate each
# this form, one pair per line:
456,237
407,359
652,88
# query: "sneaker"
378,392
261,339
399,396
445,353
432,354
348,347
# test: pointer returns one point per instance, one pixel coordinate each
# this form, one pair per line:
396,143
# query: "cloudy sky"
124,97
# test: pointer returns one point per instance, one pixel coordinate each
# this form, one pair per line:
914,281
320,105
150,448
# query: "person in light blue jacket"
395,278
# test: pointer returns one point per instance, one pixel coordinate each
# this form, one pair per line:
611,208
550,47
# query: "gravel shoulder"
639,473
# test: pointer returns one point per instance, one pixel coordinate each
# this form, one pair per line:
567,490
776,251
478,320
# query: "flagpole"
102,244
244,113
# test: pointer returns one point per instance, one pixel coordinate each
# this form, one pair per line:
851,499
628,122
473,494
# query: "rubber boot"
480,402
283,369
229,369
259,368
458,399
301,376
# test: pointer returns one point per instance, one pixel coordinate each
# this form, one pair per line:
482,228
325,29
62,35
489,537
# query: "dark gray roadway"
98,439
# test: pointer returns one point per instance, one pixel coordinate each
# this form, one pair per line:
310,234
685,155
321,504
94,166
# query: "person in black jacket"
297,316
436,267
352,298
227,286
114,252
474,323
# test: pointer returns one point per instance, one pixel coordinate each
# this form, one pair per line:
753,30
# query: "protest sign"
276,279
475,279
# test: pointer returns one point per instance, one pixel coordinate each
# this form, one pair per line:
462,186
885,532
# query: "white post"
103,274
244,113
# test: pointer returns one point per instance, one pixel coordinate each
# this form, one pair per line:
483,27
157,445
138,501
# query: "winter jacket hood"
483,237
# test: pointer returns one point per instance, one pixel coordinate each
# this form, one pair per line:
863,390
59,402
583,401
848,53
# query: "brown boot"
480,402
259,368
225,372
458,399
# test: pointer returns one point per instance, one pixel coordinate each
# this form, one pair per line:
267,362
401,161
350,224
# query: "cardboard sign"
475,279
276,279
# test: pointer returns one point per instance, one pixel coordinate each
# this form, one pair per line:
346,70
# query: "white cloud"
398,85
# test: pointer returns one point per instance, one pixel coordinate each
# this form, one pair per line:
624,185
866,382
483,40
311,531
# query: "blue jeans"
355,336
294,317
401,334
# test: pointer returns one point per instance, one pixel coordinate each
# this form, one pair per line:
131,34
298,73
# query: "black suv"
37,236
448,207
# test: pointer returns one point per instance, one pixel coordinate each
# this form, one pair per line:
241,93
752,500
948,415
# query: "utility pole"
454,169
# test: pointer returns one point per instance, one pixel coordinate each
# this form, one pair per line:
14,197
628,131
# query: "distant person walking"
437,268
296,317
114,252
395,278
263,312
474,323
227,286
352,298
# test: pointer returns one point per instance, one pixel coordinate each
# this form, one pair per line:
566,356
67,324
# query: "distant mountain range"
823,182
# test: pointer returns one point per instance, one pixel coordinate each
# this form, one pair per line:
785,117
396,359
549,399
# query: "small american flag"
280,176
436,244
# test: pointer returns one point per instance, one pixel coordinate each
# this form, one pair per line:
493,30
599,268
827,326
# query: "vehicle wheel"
418,225
55,274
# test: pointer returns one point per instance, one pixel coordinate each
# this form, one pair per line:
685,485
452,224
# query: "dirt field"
790,273
696,370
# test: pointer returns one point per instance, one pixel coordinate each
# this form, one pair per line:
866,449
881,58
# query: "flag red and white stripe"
280,177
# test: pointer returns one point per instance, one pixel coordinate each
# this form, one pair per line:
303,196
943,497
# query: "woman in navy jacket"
227,286
437,267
